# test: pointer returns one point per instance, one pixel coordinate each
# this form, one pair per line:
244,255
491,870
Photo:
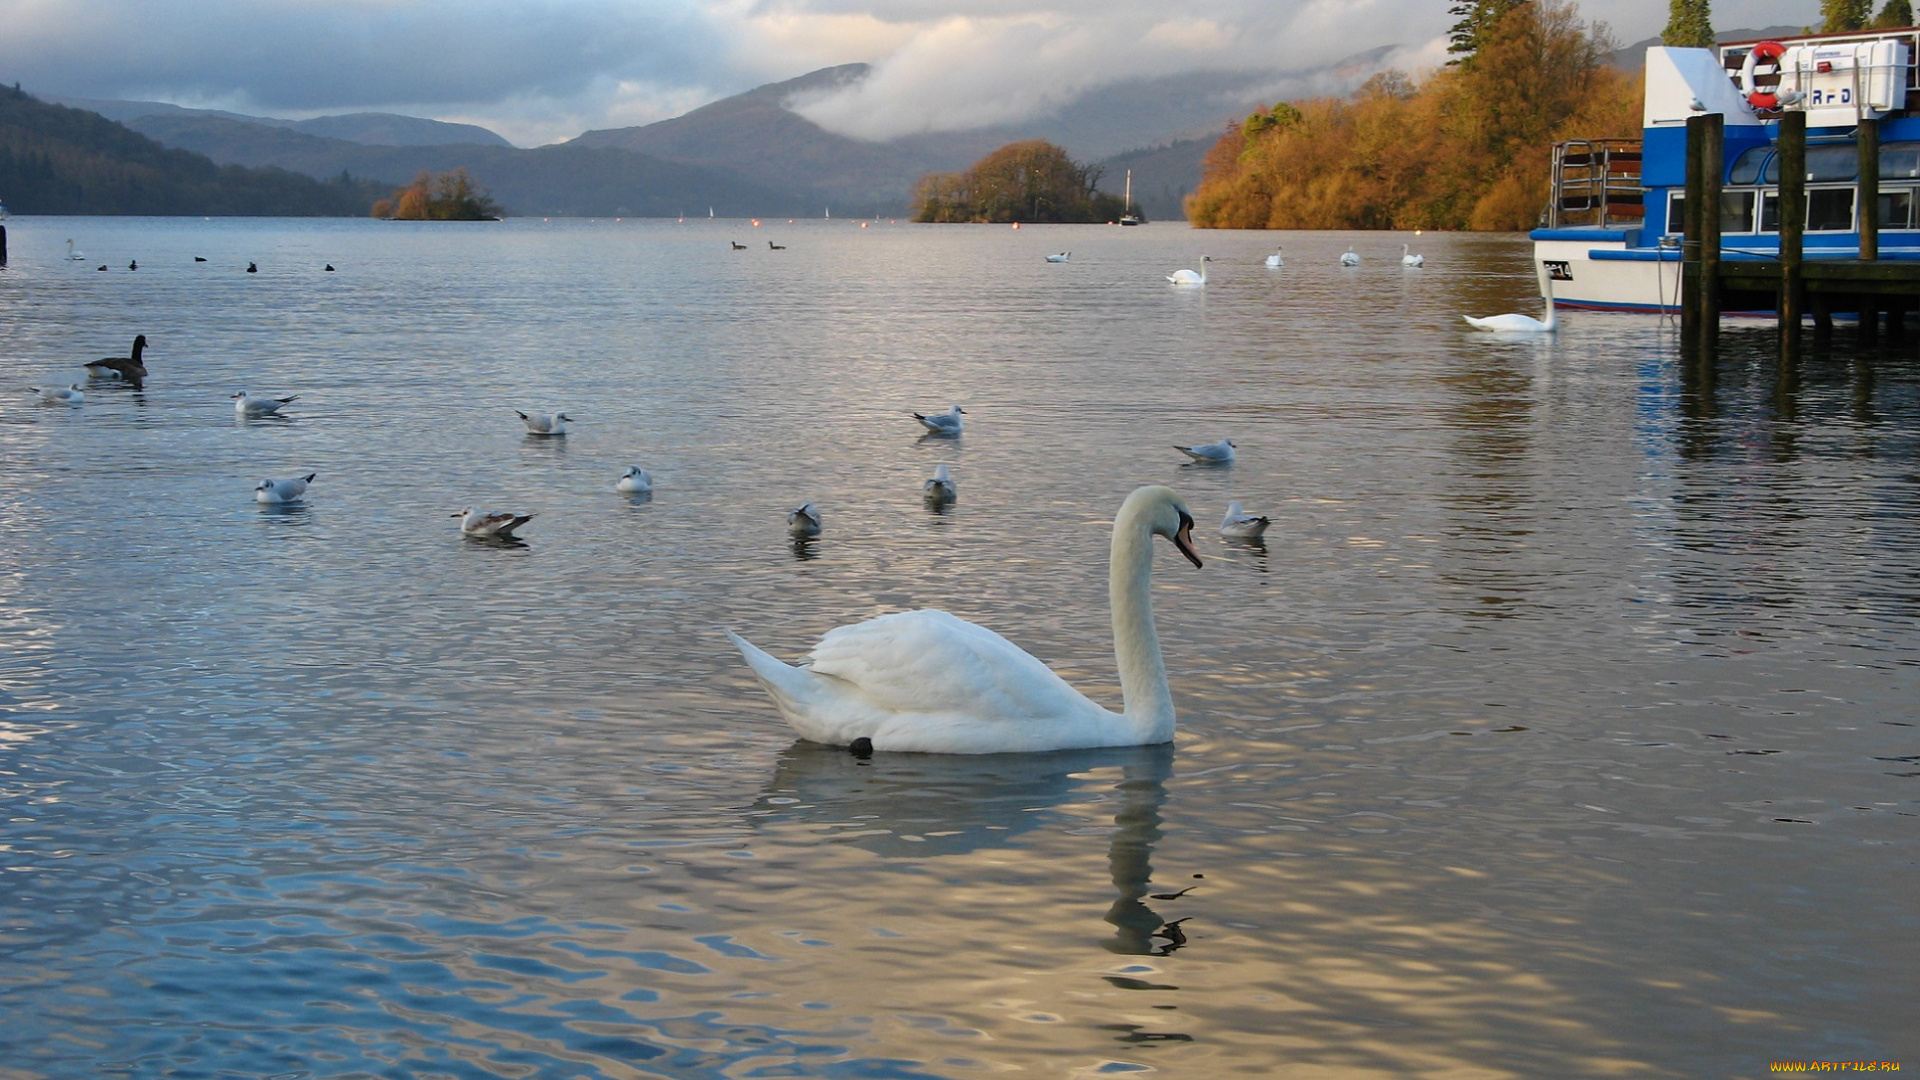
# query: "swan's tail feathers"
784,681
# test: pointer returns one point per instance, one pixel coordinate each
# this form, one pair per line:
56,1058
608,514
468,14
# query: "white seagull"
1350,258
941,489
60,395
253,407
1062,257
1214,453
927,682
1408,258
1275,259
282,491
1241,524
1188,277
545,423
804,520
635,481
946,423
484,523
1521,324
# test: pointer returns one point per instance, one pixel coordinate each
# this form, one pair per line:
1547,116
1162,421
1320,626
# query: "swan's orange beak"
1183,539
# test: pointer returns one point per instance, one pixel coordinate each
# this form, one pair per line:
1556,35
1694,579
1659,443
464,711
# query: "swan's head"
1165,514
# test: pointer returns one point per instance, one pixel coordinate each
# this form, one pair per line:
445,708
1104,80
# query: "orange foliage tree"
1468,149
448,196
1032,180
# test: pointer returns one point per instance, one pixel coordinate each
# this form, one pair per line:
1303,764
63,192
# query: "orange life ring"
1768,52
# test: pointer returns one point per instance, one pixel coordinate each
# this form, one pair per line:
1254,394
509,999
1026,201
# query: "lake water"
1564,726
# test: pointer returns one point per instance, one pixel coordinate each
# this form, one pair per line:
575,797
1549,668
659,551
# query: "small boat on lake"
1127,216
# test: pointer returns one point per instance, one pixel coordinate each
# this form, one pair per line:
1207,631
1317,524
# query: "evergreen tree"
1690,24
1477,20
1896,13
1841,16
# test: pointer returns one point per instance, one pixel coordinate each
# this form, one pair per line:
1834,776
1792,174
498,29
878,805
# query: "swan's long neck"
1136,647
1553,317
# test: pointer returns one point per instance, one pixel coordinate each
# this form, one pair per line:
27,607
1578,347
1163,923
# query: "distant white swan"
925,681
252,408
1521,324
941,489
545,423
282,491
946,423
1239,523
635,481
76,256
1350,258
60,395
1275,259
131,369
804,520
1214,453
484,523
1408,258
1188,277
1062,257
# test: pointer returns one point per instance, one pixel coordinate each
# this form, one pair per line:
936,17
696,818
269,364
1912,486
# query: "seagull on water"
545,423
804,520
946,423
635,481
252,408
1214,453
486,523
60,395
1241,524
941,489
282,491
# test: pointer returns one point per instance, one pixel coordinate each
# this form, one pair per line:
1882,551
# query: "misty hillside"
373,129
57,160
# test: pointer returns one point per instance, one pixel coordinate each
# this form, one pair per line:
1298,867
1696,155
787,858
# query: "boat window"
1677,211
1770,212
1899,160
1746,167
1825,164
1829,209
1896,208
1736,211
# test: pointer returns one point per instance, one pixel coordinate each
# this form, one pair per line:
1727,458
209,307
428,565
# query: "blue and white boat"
1612,239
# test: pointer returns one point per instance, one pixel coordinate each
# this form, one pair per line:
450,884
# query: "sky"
542,71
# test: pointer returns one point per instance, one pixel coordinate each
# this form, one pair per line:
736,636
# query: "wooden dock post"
1867,145
1694,198
1713,154
3,245
1793,227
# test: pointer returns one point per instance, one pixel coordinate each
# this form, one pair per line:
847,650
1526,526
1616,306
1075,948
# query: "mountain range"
752,153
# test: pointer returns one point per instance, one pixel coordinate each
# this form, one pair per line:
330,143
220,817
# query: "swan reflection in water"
920,806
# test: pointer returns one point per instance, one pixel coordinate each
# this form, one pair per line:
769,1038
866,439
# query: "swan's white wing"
930,662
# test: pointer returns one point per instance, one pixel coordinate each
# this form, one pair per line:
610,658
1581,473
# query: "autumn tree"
1032,180
1477,20
448,196
1689,24
1840,16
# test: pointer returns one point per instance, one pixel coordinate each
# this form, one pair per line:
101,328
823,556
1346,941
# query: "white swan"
1275,259
1188,277
483,523
1214,453
1521,324
1350,258
941,489
1408,258
804,520
1062,257
635,481
76,256
60,395
946,423
251,408
545,423
1239,523
282,491
926,681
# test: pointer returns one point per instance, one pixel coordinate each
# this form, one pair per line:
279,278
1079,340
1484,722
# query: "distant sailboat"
1127,216
829,211
709,211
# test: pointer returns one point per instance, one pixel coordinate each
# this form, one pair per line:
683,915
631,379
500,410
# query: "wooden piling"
1868,144
1793,226
1713,152
3,245
1690,279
